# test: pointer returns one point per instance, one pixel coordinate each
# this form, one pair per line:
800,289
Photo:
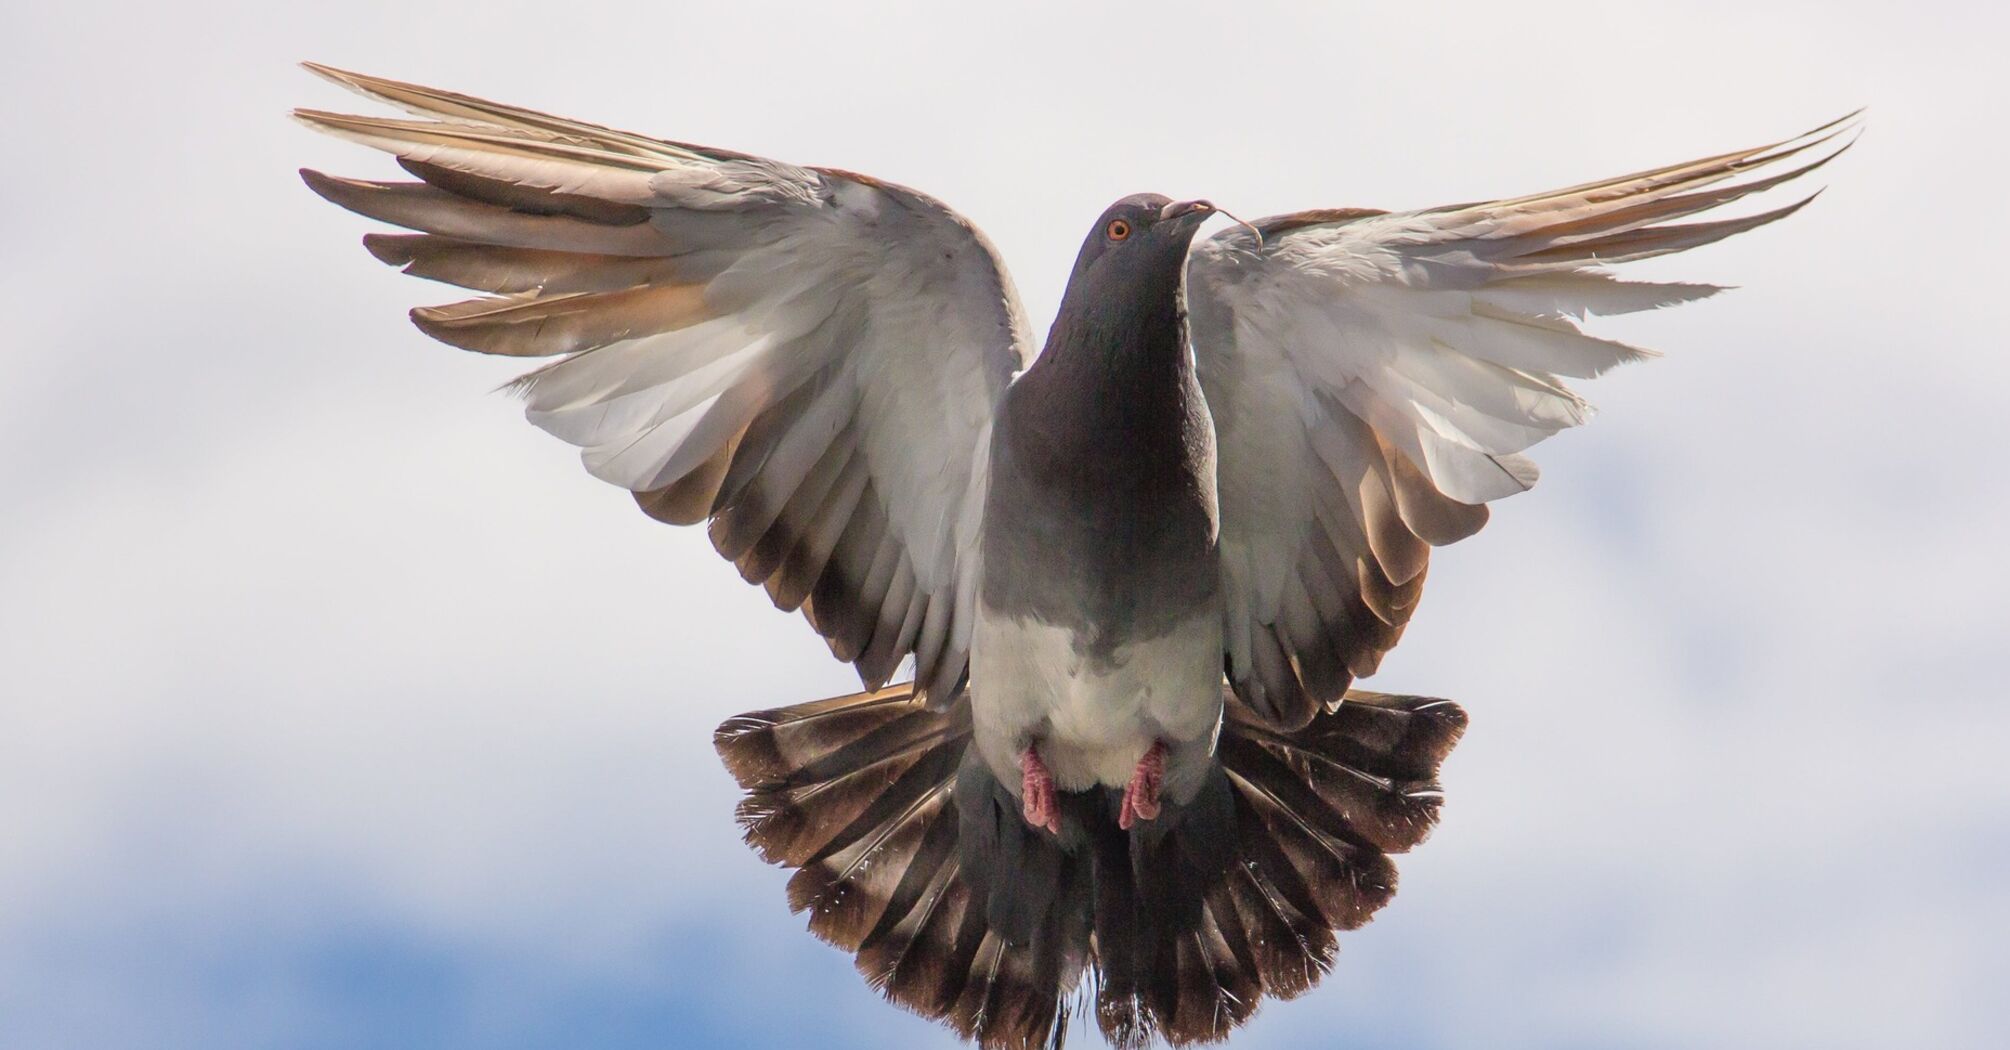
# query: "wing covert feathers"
911,857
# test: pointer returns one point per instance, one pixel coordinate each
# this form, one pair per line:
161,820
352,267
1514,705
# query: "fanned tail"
911,856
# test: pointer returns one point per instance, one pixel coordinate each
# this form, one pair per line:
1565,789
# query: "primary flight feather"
1136,573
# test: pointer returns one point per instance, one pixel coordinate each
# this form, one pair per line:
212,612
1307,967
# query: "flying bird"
1135,574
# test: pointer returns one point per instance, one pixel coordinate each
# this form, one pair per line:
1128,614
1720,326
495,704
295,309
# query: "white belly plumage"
1092,719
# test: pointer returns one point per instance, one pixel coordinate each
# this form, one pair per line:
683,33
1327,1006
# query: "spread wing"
1374,378
805,358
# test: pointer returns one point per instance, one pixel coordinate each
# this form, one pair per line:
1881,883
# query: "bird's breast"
1104,524
1092,714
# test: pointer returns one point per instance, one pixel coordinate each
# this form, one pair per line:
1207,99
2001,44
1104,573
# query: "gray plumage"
1136,575
1097,601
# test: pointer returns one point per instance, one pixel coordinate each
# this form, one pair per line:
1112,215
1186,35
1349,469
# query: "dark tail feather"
1166,966
860,794
913,857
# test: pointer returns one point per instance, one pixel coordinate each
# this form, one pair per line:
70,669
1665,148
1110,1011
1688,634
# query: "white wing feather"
807,358
1374,378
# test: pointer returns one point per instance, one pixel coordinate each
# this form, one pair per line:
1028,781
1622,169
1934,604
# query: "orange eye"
1118,229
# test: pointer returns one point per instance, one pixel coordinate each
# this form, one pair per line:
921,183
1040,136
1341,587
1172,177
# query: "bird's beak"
1180,209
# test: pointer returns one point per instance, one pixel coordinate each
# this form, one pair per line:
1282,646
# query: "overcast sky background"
340,708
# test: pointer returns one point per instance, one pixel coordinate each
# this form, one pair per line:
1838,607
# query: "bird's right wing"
805,358
1374,378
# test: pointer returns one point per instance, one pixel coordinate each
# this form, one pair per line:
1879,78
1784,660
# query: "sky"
340,708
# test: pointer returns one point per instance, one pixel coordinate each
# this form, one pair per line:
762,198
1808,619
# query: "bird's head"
1142,238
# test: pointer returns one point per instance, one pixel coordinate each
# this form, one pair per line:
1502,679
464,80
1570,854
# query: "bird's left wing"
805,358
1374,378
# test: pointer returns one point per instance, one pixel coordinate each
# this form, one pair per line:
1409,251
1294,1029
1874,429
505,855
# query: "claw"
1041,806
1141,795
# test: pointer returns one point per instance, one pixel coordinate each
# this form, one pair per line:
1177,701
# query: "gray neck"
1115,371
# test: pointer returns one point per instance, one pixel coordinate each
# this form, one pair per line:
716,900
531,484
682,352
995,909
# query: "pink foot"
1141,798
1042,809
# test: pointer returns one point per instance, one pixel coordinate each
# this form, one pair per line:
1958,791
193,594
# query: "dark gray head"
1124,294
1140,242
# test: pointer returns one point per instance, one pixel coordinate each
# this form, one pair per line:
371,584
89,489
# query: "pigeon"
1135,574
